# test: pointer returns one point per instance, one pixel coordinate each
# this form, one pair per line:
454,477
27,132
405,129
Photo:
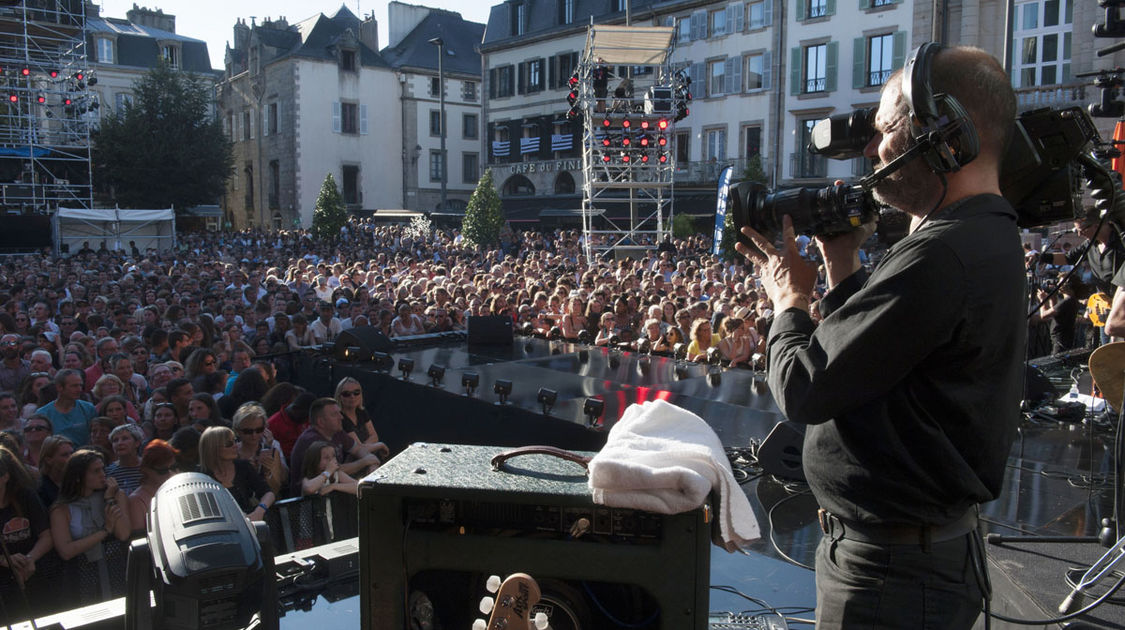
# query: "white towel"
661,458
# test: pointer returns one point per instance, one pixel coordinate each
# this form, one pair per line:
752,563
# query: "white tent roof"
629,45
115,214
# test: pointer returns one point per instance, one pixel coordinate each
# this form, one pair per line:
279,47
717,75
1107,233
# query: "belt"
896,534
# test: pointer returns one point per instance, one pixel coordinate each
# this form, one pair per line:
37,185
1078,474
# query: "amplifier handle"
499,459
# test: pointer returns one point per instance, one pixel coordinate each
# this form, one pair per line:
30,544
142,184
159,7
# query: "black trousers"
862,585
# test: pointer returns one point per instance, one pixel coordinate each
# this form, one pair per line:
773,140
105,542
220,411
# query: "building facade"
303,101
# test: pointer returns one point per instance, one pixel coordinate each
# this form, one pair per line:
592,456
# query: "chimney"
241,35
369,32
152,18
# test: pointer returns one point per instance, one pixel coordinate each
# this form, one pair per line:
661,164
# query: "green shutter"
830,7
833,50
864,5
859,62
795,71
801,14
898,54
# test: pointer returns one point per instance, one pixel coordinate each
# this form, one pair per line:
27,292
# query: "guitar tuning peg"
541,621
486,604
480,624
493,583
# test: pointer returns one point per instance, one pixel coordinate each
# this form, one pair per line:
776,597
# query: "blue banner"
721,206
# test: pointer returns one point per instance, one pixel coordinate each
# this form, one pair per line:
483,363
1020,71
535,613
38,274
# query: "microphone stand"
19,583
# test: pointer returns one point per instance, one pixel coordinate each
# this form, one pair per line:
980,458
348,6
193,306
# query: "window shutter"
767,12
683,30
830,7
234,129
668,21
733,75
699,25
336,116
795,71
698,79
521,77
801,14
492,83
252,118
265,122
833,49
864,5
553,70
736,17
363,120
767,69
859,62
898,55
721,154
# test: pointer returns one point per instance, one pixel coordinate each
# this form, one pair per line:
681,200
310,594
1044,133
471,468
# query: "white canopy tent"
116,227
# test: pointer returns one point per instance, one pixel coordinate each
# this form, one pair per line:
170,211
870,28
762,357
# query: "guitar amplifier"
437,517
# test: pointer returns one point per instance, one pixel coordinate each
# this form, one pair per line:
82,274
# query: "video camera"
1048,152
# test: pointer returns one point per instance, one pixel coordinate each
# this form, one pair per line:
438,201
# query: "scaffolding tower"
628,95
46,109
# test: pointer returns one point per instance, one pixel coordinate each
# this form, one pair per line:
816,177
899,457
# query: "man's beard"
911,188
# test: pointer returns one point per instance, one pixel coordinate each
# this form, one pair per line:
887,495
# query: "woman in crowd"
53,455
204,412
321,472
107,385
300,335
126,442
701,340
606,329
736,345
574,321
36,430
27,533
279,396
407,323
257,446
652,334
218,457
29,392
200,363
117,409
158,464
89,526
164,422
357,423
250,386
100,428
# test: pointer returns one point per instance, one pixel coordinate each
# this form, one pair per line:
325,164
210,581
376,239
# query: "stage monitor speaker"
438,517
490,330
368,339
1037,388
780,453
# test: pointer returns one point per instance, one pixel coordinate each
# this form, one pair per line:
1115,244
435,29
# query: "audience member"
158,464
218,457
322,473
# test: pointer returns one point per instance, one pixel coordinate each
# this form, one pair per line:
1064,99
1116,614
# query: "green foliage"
683,226
483,216
329,214
754,171
164,149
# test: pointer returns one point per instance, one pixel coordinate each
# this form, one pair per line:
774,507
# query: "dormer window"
348,60
171,55
105,50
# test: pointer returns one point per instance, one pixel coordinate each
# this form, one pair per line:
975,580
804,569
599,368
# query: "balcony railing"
708,172
1068,95
815,84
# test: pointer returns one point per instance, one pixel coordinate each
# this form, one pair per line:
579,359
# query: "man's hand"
787,278
841,252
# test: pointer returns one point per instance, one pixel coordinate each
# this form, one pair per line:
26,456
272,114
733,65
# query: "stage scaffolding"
626,90
46,109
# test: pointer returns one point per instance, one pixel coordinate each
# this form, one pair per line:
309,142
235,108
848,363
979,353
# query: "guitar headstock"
511,607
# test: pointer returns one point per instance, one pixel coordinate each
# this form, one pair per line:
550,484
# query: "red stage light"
625,123
625,158
25,71
54,74
79,76
67,101
625,141
605,122
605,158
663,124
41,98
663,158
644,158
644,124
644,141
573,81
605,142
662,141
13,98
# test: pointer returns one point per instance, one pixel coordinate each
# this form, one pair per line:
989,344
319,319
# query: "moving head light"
1047,155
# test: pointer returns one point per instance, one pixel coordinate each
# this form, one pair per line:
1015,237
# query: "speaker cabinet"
436,518
368,339
490,330
780,453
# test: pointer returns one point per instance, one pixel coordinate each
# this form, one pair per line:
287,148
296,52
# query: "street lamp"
440,43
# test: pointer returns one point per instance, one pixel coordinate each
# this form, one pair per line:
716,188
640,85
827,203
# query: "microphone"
869,182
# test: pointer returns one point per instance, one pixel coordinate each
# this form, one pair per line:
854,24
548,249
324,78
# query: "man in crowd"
70,415
326,423
9,412
13,369
911,384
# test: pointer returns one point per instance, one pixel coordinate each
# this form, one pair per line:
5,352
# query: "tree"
483,217
164,149
683,226
329,215
753,173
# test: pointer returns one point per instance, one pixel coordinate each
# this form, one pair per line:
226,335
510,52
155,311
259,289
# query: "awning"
629,45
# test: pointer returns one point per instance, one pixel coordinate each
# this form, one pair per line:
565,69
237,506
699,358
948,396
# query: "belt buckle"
823,515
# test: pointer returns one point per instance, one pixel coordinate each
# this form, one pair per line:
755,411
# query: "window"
566,12
683,30
880,59
534,76
715,77
756,67
347,60
170,55
469,127
564,68
760,14
470,169
718,22
105,50
1043,43
435,122
683,146
435,87
817,8
247,132
348,118
806,164
518,17
715,145
275,185
469,90
121,100
619,5
271,119
752,141
350,180
500,82
883,3
436,169
813,68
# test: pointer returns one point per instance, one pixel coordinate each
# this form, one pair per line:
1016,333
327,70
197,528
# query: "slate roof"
318,36
462,40
138,45
542,16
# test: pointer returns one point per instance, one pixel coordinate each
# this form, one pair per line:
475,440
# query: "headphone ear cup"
960,143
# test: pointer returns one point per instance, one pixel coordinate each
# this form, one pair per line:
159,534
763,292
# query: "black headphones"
937,120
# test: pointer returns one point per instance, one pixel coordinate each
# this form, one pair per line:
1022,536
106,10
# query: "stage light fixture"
626,124
383,361
644,141
405,367
328,347
41,98
644,124
606,141
679,351
436,374
470,381
593,409
25,71
681,372
13,98
79,75
554,333
625,157
663,158
573,113
644,158
352,353
573,81
54,73
92,81
67,101
584,336
662,141
605,158
662,124
606,122
503,389
547,399
714,357
626,141
572,97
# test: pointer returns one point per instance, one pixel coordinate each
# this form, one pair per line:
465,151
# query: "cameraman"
911,384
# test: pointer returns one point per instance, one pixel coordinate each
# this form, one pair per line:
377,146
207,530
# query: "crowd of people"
119,369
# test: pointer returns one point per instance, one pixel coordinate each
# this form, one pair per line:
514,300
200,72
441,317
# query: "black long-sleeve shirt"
911,385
